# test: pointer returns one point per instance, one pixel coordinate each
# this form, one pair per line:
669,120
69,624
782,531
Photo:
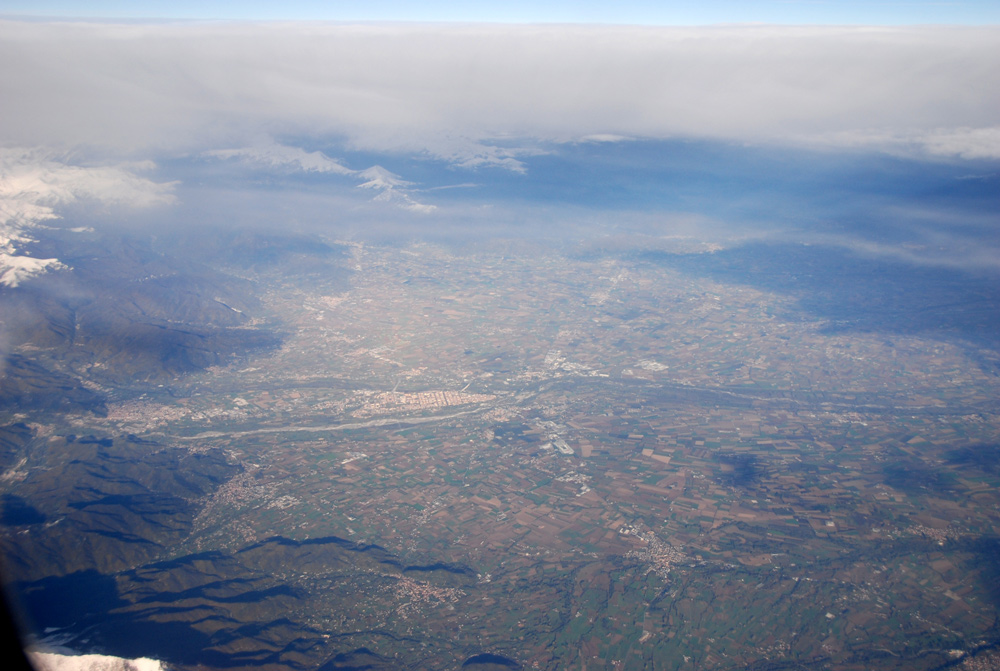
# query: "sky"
637,12
450,112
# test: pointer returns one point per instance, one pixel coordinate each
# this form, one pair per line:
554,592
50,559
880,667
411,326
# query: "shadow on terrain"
236,610
857,294
739,470
985,458
93,502
16,511
489,662
913,477
361,659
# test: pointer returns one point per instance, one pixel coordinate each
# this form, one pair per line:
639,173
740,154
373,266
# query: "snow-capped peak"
379,178
32,182
390,187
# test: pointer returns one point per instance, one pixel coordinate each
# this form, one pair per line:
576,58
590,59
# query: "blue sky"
642,12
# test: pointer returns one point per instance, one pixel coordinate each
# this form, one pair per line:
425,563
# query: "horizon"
634,12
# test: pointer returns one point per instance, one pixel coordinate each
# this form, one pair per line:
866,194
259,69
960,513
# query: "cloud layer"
469,94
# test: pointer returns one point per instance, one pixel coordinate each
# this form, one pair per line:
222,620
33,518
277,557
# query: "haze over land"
442,346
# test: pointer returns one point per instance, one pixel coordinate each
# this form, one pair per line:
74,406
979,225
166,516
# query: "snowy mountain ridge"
51,661
391,187
34,182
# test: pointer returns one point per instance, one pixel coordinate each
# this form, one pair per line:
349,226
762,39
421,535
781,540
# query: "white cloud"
453,91
965,143
277,156
49,182
603,137
471,154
